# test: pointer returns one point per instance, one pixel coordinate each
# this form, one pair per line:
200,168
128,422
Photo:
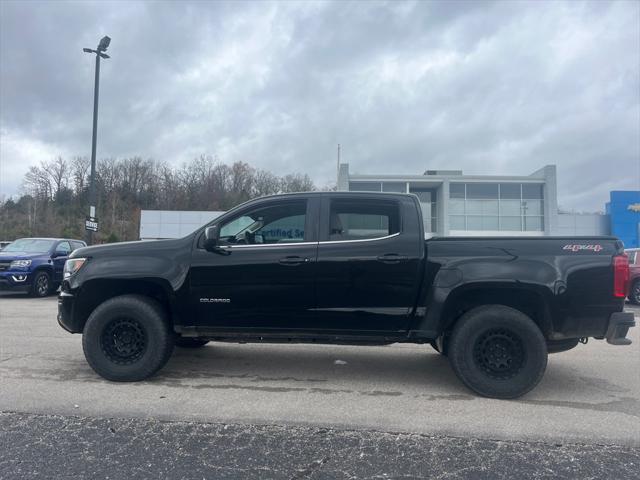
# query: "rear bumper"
619,325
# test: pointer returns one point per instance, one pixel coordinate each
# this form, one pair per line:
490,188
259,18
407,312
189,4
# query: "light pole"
91,224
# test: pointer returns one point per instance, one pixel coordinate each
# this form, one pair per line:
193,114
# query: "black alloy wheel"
499,353
124,341
41,285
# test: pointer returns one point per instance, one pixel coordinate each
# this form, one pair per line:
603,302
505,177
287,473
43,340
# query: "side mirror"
59,253
211,237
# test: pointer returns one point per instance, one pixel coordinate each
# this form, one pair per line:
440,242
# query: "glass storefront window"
456,190
511,224
507,207
457,222
482,190
511,207
533,224
482,223
531,190
510,191
397,187
481,207
456,206
532,207
365,186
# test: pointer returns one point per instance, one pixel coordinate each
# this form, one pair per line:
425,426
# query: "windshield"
29,245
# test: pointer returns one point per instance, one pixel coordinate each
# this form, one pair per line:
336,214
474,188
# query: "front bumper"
65,312
15,280
619,325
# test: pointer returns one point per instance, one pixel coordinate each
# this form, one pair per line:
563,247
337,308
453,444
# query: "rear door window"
64,247
362,219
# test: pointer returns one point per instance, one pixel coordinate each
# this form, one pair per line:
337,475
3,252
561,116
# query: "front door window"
282,223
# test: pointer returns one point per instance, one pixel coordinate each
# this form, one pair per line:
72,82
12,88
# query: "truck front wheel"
41,284
497,351
127,338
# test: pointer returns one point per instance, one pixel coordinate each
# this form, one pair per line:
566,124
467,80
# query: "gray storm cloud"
496,87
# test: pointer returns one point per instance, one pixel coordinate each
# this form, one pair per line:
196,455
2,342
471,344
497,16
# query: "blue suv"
35,265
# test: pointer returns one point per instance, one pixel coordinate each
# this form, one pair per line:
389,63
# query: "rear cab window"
362,219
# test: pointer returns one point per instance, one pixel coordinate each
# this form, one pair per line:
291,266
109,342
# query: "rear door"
369,260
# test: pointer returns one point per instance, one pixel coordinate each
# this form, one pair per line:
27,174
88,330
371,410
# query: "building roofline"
451,178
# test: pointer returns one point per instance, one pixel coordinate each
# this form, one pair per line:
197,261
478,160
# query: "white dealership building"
453,204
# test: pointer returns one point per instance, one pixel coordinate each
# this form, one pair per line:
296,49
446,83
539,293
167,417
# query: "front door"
263,277
368,264
62,251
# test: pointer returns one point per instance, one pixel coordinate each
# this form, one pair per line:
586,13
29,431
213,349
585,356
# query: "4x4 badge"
591,246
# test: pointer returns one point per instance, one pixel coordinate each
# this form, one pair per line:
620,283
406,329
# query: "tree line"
55,195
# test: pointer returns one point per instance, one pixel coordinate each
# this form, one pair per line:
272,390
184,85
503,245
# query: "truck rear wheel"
127,338
497,351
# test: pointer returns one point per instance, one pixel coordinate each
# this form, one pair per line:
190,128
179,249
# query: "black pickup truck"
347,268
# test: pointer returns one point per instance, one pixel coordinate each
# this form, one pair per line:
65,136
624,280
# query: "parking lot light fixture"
99,51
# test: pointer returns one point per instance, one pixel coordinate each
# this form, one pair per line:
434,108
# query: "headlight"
72,266
20,263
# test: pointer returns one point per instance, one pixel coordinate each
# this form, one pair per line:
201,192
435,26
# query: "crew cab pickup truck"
348,268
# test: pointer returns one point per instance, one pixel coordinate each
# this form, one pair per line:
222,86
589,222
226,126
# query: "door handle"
293,260
392,258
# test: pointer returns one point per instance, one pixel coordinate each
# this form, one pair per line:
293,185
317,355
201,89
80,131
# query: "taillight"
620,276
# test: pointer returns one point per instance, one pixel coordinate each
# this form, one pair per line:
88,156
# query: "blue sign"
624,211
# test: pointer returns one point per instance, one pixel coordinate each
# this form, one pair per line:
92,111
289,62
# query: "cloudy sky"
489,88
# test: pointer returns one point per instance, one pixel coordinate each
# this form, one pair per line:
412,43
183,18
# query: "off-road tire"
190,342
497,351
127,338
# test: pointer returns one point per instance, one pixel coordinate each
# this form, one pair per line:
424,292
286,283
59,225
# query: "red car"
634,275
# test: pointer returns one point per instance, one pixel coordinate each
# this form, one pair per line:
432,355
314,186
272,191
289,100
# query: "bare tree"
55,197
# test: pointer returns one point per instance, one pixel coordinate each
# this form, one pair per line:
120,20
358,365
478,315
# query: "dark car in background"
634,275
34,265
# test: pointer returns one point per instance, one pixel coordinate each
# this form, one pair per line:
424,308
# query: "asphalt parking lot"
589,401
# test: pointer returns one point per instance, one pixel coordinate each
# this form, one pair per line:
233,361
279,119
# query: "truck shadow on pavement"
375,371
